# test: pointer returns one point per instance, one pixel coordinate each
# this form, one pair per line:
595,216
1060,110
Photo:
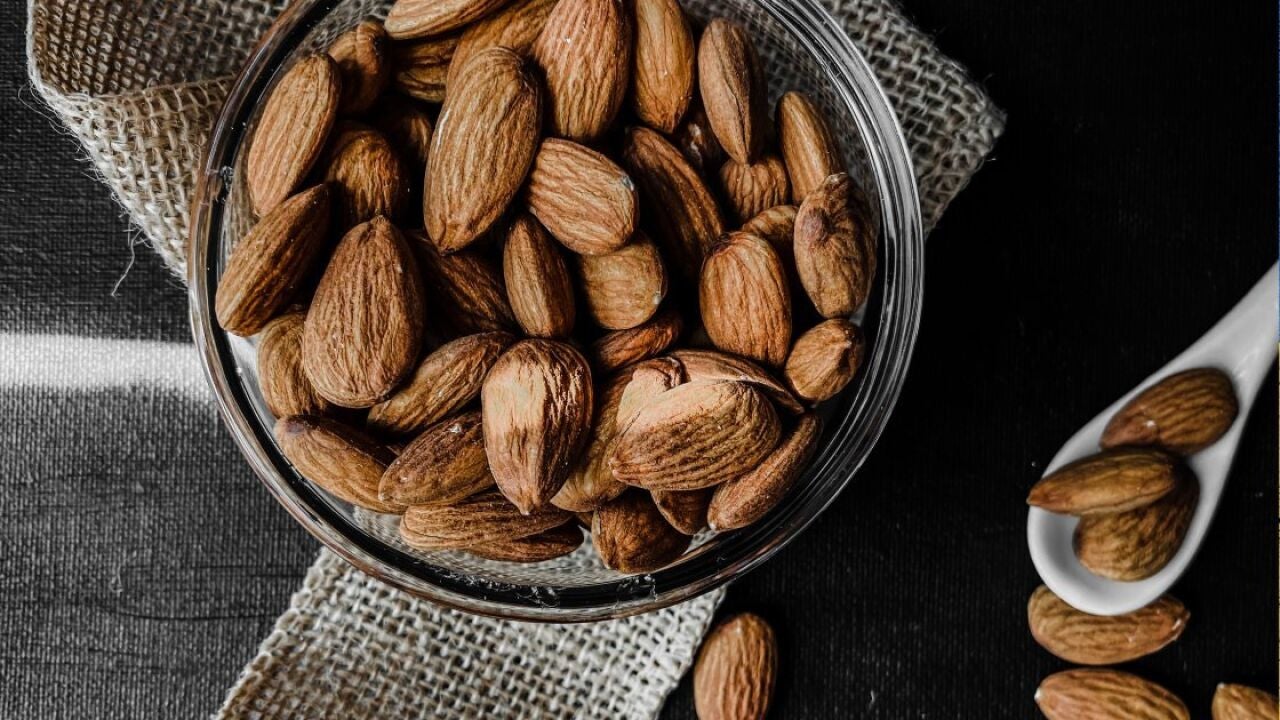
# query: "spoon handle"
1251,329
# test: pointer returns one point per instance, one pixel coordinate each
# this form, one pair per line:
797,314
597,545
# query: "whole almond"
484,519
662,74
1086,639
808,146
624,347
407,126
745,299
1135,545
711,365
696,435
547,545
649,379
684,511
340,459
825,359
697,141
631,536
285,386
366,176
483,147
835,247
465,292
364,329
585,53
745,499
268,265
582,197
538,284
443,465
291,132
516,26
733,678
1109,482
591,483
777,225
1183,413
423,18
537,403
752,189
1240,702
732,83
424,67
1096,694
624,288
364,59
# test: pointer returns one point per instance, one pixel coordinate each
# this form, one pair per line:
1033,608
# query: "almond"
423,67
591,483
585,54
483,147
696,435
423,18
697,141
1239,702
808,146
338,458
685,511
1183,413
732,84
752,189
745,300
285,387
649,379
291,131
733,678
269,264
537,403
777,225
824,360
710,365
835,247
662,74
515,26
745,499
464,291
480,520
448,380
443,465
538,284
1086,639
366,177
408,127
364,60
364,330
1094,694
582,197
1135,545
624,347
631,536
1111,481
548,545
624,288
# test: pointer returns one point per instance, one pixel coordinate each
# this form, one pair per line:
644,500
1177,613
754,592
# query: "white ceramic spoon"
1242,344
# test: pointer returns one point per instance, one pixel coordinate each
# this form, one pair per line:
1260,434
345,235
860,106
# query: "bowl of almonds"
558,310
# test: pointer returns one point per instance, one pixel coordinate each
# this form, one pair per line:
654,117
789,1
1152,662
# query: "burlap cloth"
139,83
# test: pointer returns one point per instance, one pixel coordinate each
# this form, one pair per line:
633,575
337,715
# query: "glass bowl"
803,48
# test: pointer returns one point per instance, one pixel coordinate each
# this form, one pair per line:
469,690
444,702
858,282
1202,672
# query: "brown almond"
516,26
585,53
825,359
1086,639
685,511
731,80
745,499
624,347
697,141
484,144
631,536
267,267
712,365
484,519
1111,481
835,247
1183,413
443,465
624,288
363,333
423,18
537,279
649,379
291,131
341,459
408,127
364,60
777,225
423,67
465,292
662,74
1096,694
285,386
745,299
1135,545
548,545
582,197
752,189
733,678
1240,702
808,146
591,483
366,176
537,403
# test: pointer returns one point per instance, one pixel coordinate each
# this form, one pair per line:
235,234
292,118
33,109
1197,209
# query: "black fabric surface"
1131,202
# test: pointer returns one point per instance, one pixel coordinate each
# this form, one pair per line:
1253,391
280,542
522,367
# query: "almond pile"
525,264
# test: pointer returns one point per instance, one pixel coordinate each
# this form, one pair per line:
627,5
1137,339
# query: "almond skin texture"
443,465
483,519
1094,694
745,499
582,197
364,60
538,283
284,385
366,176
591,483
585,53
424,67
733,91
338,458
292,130
649,379
1135,545
713,365
363,333
777,225
1239,702
448,380
515,26
752,189
548,545
464,291
269,264
734,676
624,288
408,127
631,536
835,248
537,403
824,360
483,147
697,141
694,436
808,146
1183,413
624,347
684,511
745,300
662,74
1086,639
423,18
1111,481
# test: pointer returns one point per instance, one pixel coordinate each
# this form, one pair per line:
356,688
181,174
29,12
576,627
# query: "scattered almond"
364,60
464,291
825,359
515,26
443,465
1239,702
710,365
624,347
631,536
424,18
733,92
585,54
485,519
408,127
1183,413
649,379
808,146
338,458
366,177
538,283
835,247
745,299
1086,639
582,197
1111,481
1096,694
624,288
747,498
1136,544
733,678
591,483
662,74
751,189
285,386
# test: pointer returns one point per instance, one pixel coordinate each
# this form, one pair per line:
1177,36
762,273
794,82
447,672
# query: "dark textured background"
1130,203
